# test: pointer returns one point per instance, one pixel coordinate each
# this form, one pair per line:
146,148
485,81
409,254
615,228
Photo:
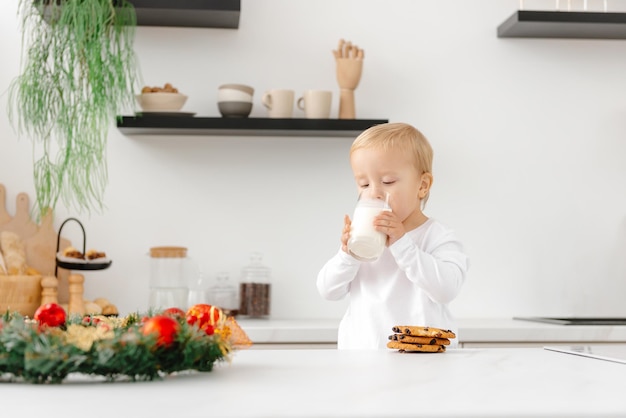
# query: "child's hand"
388,223
345,234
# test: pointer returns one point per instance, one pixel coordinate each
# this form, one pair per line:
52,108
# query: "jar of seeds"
255,288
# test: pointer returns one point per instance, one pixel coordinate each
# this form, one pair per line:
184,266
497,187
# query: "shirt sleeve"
333,280
439,268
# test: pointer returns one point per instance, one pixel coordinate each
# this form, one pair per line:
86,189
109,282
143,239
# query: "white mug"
316,104
279,103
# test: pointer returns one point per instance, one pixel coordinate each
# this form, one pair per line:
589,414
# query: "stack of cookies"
409,338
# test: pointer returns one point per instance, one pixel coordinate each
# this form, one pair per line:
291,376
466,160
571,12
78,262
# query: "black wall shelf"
188,13
183,13
556,24
184,125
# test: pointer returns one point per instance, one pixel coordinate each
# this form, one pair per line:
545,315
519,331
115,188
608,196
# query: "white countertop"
474,330
513,330
487,382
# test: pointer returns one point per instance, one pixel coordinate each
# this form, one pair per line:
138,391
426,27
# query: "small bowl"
235,93
161,102
235,109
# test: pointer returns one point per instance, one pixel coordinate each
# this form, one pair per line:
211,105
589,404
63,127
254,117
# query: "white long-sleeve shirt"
411,283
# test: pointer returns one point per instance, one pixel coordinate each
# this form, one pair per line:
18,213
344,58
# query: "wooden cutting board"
4,215
40,241
21,223
41,249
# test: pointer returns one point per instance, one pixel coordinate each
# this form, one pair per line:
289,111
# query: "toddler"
423,265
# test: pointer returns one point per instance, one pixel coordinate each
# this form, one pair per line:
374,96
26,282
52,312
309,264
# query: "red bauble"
50,314
209,329
175,313
165,328
205,317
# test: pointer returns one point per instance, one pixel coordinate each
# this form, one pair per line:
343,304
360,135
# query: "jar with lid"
199,290
255,288
169,272
223,294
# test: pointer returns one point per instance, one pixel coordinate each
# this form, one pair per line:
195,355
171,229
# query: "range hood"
574,320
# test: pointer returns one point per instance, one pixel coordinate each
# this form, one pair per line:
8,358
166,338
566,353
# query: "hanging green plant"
78,71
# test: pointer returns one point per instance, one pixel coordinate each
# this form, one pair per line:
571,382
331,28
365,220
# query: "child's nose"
379,193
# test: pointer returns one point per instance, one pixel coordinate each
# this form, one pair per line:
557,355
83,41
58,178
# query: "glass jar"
199,291
255,288
223,294
168,277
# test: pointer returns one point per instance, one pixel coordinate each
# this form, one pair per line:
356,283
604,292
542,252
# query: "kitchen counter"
487,382
513,331
471,331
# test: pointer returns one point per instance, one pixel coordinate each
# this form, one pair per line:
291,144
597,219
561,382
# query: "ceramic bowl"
161,102
235,93
235,109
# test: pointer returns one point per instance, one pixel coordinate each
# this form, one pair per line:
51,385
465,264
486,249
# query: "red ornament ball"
205,317
165,328
174,312
50,314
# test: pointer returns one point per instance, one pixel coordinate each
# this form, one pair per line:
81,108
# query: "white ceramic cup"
279,103
235,93
316,104
365,243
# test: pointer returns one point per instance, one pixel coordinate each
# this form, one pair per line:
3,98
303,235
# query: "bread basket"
20,294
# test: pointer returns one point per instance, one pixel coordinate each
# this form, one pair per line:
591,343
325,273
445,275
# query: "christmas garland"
138,347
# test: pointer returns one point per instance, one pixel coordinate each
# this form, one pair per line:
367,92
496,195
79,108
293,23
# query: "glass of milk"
365,243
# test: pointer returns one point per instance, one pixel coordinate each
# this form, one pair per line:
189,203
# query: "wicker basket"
20,294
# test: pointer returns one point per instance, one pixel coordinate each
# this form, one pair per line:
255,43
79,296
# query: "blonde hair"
400,136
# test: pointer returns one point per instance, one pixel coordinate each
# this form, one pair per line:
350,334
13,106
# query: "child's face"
394,172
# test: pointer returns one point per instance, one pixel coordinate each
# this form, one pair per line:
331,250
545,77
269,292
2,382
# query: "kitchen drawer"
293,346
537,344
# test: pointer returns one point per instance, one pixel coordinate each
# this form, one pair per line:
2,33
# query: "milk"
365,243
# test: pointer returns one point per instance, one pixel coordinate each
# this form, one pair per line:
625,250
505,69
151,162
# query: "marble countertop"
471,330
486,382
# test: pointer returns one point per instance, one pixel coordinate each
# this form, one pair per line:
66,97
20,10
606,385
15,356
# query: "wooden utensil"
4,215
41,251
21,223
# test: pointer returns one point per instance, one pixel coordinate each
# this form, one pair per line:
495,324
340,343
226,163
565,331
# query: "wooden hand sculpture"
349,59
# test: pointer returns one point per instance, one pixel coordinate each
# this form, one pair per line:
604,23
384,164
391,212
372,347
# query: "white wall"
529,137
